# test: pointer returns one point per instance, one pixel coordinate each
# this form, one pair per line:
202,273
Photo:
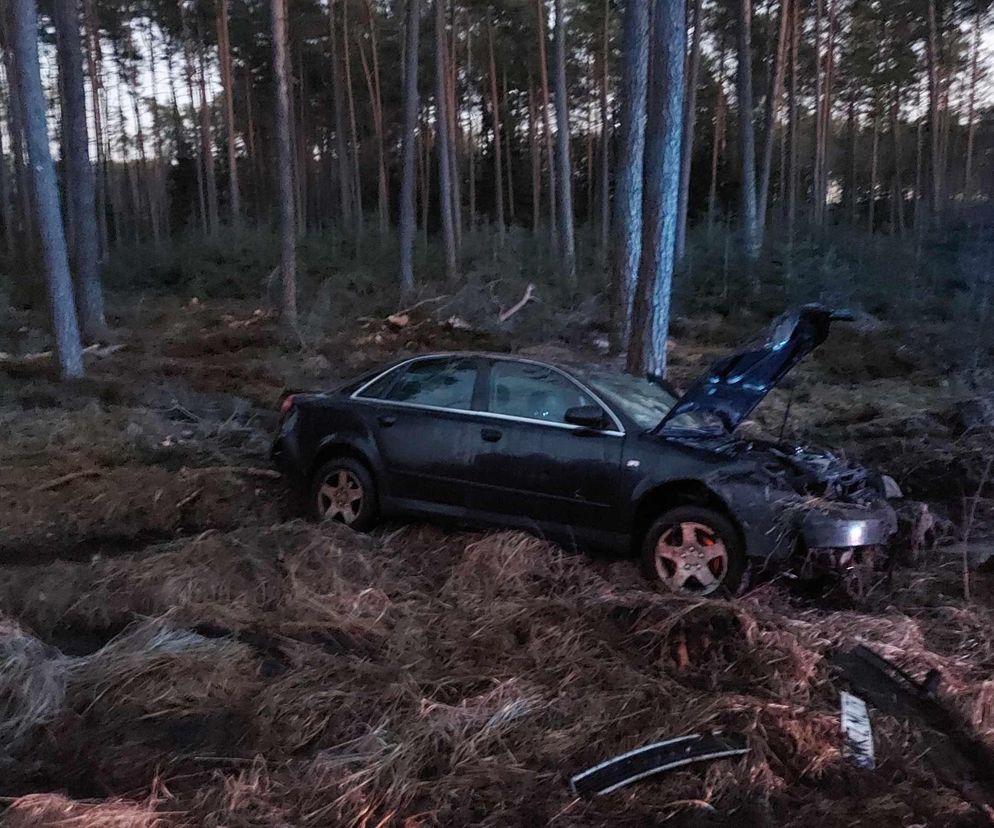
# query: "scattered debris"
662,756
67,478
960,758
857,733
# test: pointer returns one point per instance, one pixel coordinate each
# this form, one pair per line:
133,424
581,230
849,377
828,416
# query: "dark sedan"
590,457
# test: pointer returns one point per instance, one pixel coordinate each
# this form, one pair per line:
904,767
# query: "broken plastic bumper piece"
841,527
655,758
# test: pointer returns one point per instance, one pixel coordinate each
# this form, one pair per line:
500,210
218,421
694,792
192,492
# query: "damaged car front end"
797,504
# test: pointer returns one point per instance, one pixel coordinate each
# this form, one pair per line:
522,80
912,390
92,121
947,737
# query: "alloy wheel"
340,497
691,557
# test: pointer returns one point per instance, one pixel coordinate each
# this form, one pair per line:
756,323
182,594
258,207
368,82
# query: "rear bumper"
286,455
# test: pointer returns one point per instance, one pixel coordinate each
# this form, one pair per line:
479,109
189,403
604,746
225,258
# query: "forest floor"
178,649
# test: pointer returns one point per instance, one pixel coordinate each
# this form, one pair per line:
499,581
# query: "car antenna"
786,414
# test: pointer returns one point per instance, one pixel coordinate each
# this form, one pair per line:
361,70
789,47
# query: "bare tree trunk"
971,120
793,128
353,129
345,198
471,136
455,137
442,138
852,128
6,208
376,103
543,65
16,123
498,153
564,165
80,187
536,161
689,121
284,167
874,154
409,139
650,323
161,195
771,112
207,144
507,131
934,93
897,195
718,143
93,65
747,140
604,220
228,86
46,191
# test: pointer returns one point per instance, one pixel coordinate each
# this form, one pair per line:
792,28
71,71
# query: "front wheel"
343,490
693,550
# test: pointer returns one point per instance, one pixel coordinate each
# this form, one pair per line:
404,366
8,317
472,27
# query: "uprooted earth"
179,648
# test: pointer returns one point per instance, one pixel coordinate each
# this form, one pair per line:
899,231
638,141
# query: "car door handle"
491,435
386,420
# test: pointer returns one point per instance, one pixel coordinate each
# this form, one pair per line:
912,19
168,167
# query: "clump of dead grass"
57,811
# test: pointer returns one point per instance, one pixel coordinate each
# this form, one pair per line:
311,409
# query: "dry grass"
460,679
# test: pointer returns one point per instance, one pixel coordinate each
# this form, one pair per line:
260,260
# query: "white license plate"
857,735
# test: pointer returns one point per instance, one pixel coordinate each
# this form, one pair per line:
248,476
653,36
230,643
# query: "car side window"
535,392
441,383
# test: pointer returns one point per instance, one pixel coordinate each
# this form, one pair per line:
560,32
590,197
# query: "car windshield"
646,402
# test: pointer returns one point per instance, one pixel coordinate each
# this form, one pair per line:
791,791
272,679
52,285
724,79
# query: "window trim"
483,375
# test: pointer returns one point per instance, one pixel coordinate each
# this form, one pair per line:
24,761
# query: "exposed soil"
179,649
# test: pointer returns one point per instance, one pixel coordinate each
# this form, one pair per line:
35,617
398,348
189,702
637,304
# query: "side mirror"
586,416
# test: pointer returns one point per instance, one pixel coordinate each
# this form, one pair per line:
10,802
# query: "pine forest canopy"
563,118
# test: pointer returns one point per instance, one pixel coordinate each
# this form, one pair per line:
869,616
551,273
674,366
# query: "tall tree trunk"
160,192
376,103
564,165
17,119
46,190
507,131
543,66
80,187
228,87
94,70
284,168
604,219
442,139
536,161
793,128
629,166
689,120
455,136
471,135
747,139
771,111
345,200
498,152
6,208
718,142
874,157
934,93
650,323
353,129
409,139
971,121
207,143
897,194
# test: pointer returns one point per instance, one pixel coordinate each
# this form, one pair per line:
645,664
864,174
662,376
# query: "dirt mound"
310,676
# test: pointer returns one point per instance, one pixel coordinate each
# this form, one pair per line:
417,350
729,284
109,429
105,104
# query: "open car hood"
734,385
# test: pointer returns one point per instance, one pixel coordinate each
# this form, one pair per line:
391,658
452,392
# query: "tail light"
286,405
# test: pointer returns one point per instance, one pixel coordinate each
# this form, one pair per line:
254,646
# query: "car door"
425,432
532,467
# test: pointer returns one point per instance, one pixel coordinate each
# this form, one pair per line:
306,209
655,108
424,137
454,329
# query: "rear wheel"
694,550
342,490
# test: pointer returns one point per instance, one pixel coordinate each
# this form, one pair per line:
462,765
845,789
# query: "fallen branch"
67,478
248,471
524,300
95,350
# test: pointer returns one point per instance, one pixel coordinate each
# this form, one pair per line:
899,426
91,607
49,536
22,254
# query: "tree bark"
604,220
46,192
874,155
228,87
284,168
442,139
345,199
650,323
747,139
564,164
793,128
689,120
93,65
718,143
409,140
771,112
934,92
6,208
971,120
498,151
353,129
376,103
207,144
80,186
536,162
630,166
543,66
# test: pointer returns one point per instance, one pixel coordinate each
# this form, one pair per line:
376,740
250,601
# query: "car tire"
694,550
343,489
